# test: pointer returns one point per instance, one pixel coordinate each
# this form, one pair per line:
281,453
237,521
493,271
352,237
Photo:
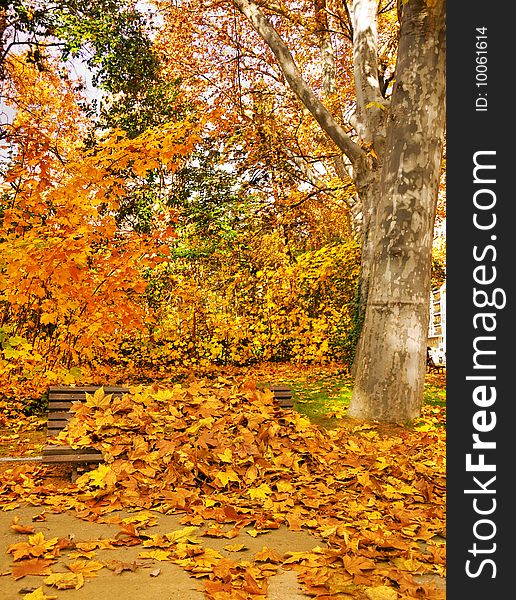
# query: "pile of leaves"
225,454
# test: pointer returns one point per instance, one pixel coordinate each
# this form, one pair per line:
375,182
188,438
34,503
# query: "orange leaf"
32,566
268,555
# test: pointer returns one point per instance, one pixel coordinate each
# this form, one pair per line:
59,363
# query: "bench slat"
80,393
58,423
60,454
51,449
90,389
282,394
73,458
58,405
59,415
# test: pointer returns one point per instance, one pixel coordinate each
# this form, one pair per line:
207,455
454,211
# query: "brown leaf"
355,565
117,566
252,587
16,526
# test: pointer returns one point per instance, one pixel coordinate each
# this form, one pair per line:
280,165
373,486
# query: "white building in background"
437,325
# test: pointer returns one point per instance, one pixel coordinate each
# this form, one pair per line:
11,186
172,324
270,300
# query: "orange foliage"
72,281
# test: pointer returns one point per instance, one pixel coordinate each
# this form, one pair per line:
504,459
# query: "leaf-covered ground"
221,454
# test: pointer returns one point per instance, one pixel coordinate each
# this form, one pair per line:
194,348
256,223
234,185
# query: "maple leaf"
252,587
98,399
218,532
284,486
86,568
268,555
226,456
36,546
224,477
65,581
381,592
235,547
143,519
101,477
182,535
42,516
32,566
260,493
38,594
88,546
255,532
82,554
356,565
157,541
118,566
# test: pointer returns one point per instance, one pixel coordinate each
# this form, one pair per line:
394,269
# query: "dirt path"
153,579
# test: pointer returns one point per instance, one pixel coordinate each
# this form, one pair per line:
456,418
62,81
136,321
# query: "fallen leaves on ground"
222,454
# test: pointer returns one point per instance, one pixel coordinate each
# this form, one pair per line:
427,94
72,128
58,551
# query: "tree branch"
365,57
295,80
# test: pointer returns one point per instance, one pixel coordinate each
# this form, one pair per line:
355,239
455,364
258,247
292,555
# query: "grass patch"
325,401
434,395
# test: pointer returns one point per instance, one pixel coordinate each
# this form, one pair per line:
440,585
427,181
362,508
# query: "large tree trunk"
390,365
395,168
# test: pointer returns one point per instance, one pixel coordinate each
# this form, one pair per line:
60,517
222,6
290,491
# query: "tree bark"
390,365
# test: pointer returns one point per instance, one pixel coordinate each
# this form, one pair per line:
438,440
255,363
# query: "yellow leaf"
155,554
226,456
260,493
47,318
235,547
38,594
102,477
182,535
99,399
255,532
226,476
65,581
86,568
381,592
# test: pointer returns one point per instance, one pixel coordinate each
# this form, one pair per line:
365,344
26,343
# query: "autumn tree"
72,279
387,139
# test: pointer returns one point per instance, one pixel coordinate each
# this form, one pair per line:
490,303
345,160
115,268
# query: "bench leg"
74,475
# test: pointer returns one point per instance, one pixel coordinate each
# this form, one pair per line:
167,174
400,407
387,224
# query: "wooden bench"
282,394
59,403
431,366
